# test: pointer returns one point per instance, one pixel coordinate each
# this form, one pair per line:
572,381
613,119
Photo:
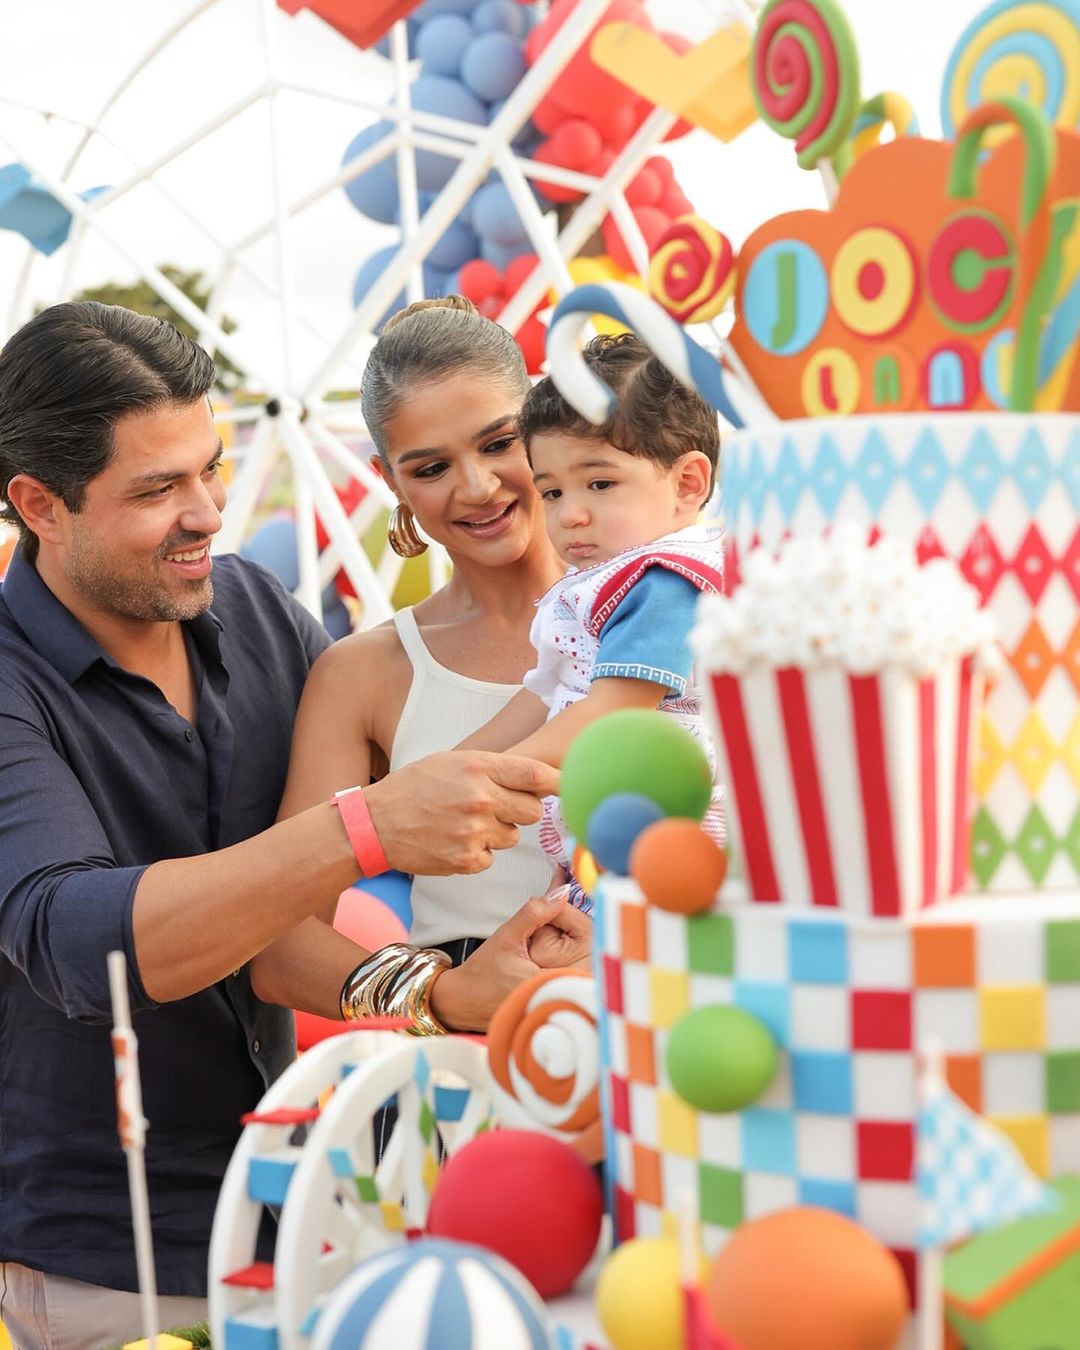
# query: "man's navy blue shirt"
99,777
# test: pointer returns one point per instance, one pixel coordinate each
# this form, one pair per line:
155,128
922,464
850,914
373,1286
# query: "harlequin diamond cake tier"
848,999
1000,494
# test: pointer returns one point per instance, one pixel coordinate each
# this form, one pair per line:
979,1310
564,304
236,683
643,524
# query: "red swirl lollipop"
692,270
806,75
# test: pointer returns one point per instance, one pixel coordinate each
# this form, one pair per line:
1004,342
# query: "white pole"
930,1317
131,1124
408,197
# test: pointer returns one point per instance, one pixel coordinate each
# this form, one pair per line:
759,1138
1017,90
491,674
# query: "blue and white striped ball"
434,1295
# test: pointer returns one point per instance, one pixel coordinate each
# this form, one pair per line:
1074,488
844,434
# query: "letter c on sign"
971,271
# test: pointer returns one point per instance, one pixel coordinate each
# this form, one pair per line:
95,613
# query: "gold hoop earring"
401,533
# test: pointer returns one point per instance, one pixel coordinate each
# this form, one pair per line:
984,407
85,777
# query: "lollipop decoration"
692,270
543,1058
883,110
806,75
586,392
1028,48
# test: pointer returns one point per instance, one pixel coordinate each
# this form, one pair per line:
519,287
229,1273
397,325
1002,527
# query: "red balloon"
478,279
645,188
518,270
554,192
675,203
532,339
652,224
574,143
663,168
617,122
547,114
582,86
492,306
525,1196
372,924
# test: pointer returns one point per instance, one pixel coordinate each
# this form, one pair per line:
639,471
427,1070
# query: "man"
147,696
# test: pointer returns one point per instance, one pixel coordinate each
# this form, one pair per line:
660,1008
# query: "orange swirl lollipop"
544,1060
692,270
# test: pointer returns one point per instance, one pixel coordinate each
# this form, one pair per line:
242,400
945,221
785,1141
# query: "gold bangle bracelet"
396,981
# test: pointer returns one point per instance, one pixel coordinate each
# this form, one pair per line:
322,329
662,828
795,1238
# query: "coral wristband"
356,818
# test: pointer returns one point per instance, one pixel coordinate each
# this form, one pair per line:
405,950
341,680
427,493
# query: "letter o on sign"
874,281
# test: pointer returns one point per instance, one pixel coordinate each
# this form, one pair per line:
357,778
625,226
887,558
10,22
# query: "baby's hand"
564,942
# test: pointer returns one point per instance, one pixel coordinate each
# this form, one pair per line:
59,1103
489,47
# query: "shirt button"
256,1046
189,735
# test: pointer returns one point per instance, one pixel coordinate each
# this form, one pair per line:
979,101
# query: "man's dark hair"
657,417
68,376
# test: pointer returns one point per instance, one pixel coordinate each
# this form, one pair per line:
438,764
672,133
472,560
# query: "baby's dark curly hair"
657,416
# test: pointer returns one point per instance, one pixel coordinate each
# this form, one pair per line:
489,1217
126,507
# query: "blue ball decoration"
502,255
616,824
436,280
433,1293
375,192
442,43
492,65
431,9
500,16
495,217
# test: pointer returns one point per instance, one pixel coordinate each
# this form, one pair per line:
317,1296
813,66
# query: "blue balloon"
455,248
448,98
493,65
431,9
495,218
436,280
501,255
374,193
442,44
273,546
394,889
500,16
614,826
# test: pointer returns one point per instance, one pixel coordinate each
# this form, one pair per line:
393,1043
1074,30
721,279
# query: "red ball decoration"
575,143
517,271
652,224
532,339
525,1196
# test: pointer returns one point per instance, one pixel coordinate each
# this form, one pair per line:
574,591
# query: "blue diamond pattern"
927,470
829,477
789,479
982,470
875,471
730,494
1031,469
1070,469
757,483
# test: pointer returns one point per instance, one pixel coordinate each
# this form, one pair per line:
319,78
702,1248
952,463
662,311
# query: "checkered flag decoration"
970,1176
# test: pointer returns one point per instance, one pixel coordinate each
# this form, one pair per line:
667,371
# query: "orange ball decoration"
810,1278
678,867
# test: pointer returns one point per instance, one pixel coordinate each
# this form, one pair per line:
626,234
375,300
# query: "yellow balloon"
5,1339
639,1296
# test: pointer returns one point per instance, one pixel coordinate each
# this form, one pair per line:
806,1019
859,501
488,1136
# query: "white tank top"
443,708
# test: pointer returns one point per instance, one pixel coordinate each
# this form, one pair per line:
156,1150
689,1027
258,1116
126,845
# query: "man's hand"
446,813
466,998
565,941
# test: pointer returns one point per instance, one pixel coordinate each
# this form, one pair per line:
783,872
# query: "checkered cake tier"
848,999
1000,494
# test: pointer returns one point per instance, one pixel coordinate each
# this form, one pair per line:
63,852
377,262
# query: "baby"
622,501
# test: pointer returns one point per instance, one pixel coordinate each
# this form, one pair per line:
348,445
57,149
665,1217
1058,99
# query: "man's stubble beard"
132,597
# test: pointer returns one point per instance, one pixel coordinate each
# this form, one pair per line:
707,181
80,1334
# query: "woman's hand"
465,999
564,941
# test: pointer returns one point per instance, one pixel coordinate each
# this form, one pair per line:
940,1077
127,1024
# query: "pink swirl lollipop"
806,75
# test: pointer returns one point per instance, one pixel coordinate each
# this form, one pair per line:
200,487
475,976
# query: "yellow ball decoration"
639,1296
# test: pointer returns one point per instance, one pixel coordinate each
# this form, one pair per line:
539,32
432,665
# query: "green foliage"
143,299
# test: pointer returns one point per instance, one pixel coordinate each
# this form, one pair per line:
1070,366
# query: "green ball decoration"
720,1058
634,750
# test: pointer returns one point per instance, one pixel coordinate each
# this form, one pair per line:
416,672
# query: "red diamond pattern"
1033,564
982,563
928,546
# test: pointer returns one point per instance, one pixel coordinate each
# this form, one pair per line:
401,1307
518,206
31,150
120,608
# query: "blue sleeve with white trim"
647,638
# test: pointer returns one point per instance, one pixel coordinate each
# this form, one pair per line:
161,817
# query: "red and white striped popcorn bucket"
847,791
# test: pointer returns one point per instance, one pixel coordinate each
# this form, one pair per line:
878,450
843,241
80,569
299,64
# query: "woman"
441,393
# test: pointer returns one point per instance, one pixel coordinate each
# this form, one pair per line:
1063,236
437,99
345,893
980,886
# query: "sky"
66,58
